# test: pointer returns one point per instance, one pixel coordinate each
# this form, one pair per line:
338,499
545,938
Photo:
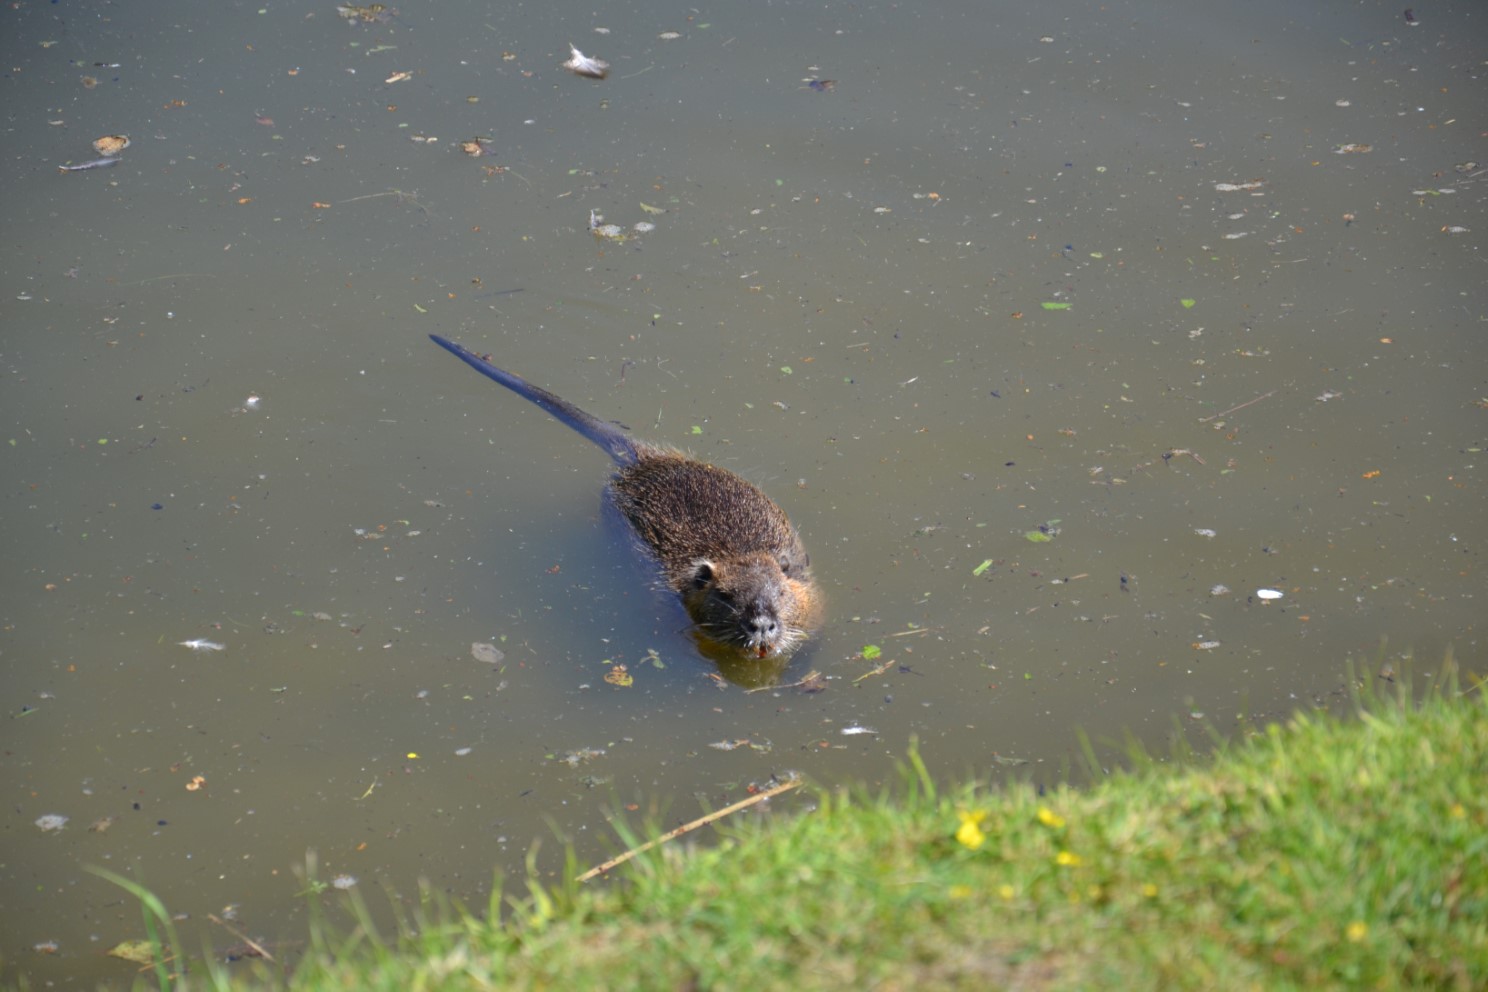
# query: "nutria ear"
703,573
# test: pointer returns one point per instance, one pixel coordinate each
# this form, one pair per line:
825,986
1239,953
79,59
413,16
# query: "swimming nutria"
723,546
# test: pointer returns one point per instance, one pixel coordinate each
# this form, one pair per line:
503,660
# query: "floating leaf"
619,676
871,652
982,567
1188,303
1054,305
1038,536
138,951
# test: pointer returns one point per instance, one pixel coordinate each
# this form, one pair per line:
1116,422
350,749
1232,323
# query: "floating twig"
912,632
1242,406
1172,453
174,275
403,197
257,947
810,677
702,821
877,671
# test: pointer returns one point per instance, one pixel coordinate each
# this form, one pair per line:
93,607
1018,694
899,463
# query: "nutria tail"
622,448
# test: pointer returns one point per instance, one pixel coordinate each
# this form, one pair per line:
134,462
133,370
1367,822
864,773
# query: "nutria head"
759,605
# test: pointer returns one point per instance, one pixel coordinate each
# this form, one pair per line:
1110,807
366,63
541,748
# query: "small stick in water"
97,163
1242,406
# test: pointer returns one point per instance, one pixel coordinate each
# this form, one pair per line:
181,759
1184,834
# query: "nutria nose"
762,622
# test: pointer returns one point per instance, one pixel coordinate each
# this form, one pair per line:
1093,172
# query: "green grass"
1322,854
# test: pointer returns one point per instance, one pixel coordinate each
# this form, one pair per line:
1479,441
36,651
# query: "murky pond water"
1059,331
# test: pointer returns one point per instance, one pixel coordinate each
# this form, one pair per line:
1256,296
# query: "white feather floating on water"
582,65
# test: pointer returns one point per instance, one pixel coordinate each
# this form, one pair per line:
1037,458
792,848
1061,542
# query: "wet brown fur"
722,545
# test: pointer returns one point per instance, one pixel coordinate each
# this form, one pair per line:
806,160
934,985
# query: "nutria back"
722,545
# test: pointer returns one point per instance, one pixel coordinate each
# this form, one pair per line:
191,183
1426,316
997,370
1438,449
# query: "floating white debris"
1269,594
643,227
857,729
582,65
1219,590
1237,187
1205,645
582,756
1205,531
202,644
462,751
344,882
51,821
489,653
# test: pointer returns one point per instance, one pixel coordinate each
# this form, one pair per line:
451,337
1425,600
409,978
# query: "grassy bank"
1320,854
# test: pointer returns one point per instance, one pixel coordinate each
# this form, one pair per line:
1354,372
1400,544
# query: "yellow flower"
1356,931
1149,890
1049,818
960,892
1067,859
970,831
1006,892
